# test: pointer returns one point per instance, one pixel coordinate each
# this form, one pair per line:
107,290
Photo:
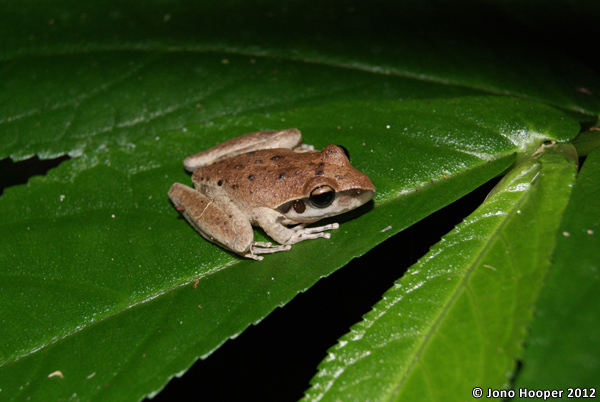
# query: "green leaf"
471,48
84,103
457,319
563,347
98,272
587,141
109,291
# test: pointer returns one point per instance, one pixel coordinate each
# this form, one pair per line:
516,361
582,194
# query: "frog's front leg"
219,221
269,220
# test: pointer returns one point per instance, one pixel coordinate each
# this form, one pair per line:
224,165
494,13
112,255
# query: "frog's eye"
346,152
322,196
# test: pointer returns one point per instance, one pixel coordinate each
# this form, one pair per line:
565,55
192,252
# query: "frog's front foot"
301,233
260,247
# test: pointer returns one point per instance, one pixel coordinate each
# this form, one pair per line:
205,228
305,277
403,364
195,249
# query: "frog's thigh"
290,138
220,222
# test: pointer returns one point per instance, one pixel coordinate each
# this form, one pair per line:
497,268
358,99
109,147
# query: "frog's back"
271,177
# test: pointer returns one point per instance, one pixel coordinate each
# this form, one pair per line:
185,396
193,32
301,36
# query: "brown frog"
268,179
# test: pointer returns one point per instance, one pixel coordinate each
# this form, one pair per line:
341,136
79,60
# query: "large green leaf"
113,267
82,103
437,42
98,272
563,348
457,319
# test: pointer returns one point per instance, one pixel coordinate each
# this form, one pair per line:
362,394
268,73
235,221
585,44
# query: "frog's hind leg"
219,221
290,138
224,226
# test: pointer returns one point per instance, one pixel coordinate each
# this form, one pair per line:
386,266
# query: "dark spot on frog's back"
321,165
239,166
235,187
220,183
319,173
274,158
282,177
251,177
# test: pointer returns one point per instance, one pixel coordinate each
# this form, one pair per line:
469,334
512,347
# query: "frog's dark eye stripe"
299,206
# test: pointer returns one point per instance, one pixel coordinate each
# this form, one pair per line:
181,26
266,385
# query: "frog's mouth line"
302,210
351,199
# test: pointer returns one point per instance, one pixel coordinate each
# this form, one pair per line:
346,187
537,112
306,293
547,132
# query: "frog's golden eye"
322,196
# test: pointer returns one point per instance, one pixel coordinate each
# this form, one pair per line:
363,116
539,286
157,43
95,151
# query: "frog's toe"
301,233
262,244
259,247
304,148
254,257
